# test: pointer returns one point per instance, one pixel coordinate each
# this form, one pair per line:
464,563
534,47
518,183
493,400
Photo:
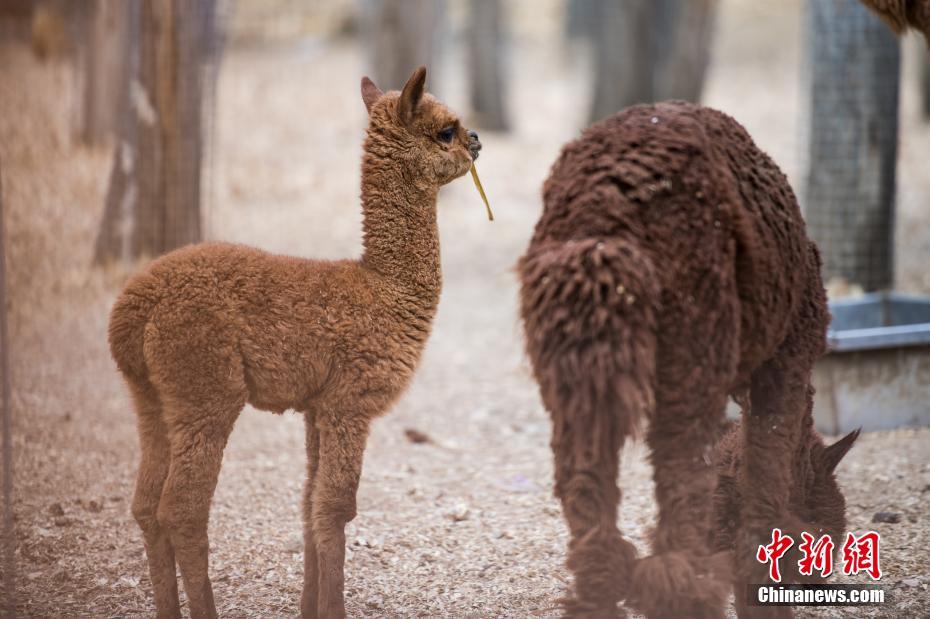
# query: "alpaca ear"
370,93
835,452
411,94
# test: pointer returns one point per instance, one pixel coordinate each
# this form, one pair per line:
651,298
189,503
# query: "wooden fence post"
104,53
153,203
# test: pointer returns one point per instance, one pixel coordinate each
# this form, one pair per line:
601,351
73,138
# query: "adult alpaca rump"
670,270
208,328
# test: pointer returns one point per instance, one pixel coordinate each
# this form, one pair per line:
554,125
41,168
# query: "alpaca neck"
401,238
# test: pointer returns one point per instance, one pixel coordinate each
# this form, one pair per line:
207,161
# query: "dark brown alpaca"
669,270
209,328
815,499
903,14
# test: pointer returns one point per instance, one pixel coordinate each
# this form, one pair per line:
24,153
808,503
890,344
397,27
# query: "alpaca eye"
446,134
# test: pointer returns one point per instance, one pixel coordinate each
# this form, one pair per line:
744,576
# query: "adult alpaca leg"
682,578
309,598
586,463
153,470
588,309
779,416
342,445
772,430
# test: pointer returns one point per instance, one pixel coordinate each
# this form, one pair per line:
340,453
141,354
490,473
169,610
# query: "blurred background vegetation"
147,71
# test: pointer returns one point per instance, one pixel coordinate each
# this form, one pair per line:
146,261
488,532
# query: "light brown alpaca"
211,327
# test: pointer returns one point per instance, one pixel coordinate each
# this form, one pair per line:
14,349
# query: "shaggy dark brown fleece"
210,327
903,14
669,270
815,501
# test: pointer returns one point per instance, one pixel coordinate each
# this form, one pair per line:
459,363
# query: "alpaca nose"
473,144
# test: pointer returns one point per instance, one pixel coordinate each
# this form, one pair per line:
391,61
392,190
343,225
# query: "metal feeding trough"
877,373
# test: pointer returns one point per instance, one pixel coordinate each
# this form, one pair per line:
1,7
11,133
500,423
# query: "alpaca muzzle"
474,145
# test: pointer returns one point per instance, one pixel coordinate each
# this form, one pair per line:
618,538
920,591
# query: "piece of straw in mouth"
474,176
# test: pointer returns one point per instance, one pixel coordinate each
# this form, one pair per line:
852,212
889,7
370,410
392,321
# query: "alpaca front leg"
781,400
340,467
309,598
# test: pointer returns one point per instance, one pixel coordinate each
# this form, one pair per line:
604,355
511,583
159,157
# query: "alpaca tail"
128,320
589,312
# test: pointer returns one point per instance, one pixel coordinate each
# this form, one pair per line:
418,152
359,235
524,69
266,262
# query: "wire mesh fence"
849,194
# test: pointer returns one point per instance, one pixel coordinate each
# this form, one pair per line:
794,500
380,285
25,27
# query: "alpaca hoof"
602,562
671,584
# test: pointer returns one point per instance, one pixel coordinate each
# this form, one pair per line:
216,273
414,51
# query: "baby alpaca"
208,328
670,269
815,498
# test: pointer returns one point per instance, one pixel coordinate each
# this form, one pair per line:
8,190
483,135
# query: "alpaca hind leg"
153,470
682,578
184,510
309,598
588,308
342,446
586,464
696,364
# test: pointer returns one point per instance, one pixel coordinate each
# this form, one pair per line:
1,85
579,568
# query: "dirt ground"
463,525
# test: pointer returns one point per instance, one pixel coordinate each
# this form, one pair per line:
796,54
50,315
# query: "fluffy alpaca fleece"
903,14
670,269
816,503
208,328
